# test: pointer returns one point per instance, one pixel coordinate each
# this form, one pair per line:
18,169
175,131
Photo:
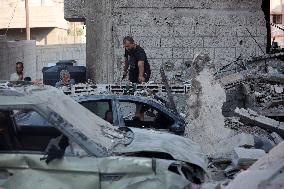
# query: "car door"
21,165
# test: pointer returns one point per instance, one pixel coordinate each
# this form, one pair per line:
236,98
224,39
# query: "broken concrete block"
276,138
226,146
252,118
244,140
266,173
230,171
263,143
278,89
244,158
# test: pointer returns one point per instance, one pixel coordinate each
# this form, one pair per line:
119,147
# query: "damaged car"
74,148
120,110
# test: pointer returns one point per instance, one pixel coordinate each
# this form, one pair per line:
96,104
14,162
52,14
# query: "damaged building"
171,32
213,108
220,48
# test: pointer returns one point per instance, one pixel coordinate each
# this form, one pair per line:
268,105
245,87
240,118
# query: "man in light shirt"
19,75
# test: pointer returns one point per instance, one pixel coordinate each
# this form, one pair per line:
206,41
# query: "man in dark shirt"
136,62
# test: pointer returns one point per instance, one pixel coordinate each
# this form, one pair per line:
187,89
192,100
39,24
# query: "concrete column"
100,56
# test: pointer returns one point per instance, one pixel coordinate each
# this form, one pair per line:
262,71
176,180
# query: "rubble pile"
234,141
239,127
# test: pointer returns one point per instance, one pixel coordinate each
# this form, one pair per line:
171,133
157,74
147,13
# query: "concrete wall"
53,53
171,31
12,52
76,10
36,57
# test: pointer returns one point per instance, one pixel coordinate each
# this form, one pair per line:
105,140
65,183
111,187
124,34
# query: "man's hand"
141,79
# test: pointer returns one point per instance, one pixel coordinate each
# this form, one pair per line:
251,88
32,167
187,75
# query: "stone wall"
175,31
171,31
75,10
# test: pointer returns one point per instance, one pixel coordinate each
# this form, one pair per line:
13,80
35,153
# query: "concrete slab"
265,173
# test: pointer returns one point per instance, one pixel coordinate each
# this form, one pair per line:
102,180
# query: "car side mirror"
177,128
54,152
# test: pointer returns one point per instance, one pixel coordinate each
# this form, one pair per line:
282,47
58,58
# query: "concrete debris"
260,92
278,89
239,127
264,143
205,103
243,158
230,171
251,117
239,140
276,138
267,172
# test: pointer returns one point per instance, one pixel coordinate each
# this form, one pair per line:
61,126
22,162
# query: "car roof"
92,128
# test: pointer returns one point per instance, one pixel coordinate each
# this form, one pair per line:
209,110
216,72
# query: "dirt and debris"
267,172
237,117
253,118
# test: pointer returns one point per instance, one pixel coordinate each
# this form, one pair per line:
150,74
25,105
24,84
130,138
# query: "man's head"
128,43
65,76
19,68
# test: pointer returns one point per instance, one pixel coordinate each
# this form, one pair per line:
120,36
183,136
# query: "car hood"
180,148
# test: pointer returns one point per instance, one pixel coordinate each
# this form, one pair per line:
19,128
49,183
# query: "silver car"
74,148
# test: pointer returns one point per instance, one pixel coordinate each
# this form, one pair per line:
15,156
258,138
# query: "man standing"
139,68
19,75
135,62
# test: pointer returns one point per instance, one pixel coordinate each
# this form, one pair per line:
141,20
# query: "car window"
26,130
29,118
101,108
143,115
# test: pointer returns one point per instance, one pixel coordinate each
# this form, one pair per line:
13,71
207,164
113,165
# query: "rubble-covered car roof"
75,118
96,135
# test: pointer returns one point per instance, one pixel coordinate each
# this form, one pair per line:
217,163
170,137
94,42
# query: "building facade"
276,18
47,22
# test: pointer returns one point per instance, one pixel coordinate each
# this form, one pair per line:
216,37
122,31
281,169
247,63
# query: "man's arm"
125,70
141,77
126,65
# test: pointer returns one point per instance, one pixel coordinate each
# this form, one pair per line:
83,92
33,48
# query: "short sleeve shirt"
14,77
133,58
